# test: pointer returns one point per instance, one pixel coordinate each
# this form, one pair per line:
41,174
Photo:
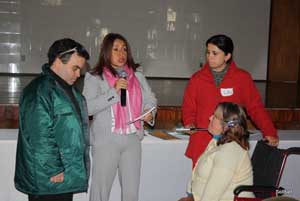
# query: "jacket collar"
47,71
207,74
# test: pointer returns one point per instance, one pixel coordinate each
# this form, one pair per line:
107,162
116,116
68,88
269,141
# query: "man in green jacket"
52,159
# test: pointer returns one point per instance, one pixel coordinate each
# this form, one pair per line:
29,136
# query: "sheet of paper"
141,116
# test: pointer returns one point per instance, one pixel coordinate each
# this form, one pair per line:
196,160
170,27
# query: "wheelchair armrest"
293,150
248,188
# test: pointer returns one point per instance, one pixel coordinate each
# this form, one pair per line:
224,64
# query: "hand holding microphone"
121,84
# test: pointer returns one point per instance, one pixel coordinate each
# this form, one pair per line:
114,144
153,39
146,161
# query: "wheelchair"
268,165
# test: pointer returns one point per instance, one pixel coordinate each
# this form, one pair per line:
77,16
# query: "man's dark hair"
64,48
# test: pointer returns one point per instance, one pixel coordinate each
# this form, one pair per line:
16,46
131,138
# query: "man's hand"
188,198
57,178
273,141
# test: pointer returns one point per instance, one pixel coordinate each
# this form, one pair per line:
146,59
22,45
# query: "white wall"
167,36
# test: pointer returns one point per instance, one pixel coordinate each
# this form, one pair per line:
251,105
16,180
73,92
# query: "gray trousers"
122,154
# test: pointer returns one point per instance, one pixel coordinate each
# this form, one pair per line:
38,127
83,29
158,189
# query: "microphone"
123,74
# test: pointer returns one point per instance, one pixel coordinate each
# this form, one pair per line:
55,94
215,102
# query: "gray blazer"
100,97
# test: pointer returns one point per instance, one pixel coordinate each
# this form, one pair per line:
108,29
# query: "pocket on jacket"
51,165
63,110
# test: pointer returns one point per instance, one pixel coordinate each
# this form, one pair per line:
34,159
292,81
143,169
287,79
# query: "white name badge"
226,91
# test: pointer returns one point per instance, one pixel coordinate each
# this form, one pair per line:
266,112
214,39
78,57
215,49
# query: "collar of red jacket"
205,72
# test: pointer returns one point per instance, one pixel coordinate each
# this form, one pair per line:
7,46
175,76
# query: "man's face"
71,70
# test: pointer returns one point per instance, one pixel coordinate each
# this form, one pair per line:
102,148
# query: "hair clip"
232,123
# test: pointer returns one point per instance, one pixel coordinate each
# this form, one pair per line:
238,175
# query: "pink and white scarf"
121,114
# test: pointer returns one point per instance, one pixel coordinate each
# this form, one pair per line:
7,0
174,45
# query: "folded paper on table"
179,135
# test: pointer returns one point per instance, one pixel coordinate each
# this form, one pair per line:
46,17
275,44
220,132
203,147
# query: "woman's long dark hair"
105,55
235,125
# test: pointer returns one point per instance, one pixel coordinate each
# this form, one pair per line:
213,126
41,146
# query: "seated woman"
225,164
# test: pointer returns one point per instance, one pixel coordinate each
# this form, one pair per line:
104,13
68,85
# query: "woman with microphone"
116,95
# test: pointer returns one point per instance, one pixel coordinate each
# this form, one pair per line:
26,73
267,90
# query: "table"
165,170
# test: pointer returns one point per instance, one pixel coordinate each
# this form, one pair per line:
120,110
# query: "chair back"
266,162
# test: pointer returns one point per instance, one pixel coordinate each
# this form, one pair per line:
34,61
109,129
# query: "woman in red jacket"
220,80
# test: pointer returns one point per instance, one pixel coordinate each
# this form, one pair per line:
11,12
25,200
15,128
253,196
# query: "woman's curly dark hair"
235,124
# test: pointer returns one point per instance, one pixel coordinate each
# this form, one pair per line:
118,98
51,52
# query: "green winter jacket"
52,139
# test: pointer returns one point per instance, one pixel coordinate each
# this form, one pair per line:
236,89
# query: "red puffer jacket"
202,96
